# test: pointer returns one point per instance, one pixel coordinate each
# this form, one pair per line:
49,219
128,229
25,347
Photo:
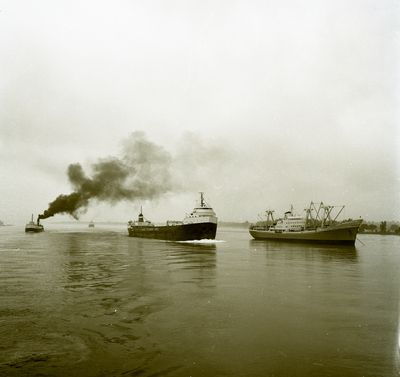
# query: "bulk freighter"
317,226
34,227
200,224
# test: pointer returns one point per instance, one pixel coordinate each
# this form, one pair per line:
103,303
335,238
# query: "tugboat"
33,227
200,224
318,228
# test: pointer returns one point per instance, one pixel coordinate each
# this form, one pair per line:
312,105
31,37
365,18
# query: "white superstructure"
290,223
202,214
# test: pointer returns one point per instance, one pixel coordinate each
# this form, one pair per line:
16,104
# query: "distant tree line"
382,228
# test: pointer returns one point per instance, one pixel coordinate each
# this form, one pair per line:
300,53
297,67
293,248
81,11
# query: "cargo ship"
34,227
200,224
317,226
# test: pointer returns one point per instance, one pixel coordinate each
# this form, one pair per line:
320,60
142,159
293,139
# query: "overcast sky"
260,104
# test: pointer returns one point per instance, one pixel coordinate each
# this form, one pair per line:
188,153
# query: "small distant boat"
200,224
91,224
34,227
317,226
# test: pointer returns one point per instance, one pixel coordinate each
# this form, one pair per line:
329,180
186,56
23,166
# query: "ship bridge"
202,214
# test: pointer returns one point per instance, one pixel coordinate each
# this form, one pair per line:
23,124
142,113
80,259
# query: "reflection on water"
92,262
194,256
94,302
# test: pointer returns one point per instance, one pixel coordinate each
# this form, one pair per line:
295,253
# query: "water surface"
93,302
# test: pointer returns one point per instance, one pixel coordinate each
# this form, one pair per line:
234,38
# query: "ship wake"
204,241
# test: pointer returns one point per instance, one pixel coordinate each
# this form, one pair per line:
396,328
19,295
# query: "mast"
308,215
341,209
270,216
201,199
140,217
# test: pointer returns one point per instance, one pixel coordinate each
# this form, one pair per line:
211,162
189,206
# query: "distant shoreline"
221,223
232,224
381,233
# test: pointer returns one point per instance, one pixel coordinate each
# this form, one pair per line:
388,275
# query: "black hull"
33,230
185,232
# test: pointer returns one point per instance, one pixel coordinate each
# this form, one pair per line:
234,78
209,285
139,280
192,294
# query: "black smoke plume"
143,172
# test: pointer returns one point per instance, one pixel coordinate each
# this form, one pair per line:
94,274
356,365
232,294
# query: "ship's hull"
344,233
184,232
33,229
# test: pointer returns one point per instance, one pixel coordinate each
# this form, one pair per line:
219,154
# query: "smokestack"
143,172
